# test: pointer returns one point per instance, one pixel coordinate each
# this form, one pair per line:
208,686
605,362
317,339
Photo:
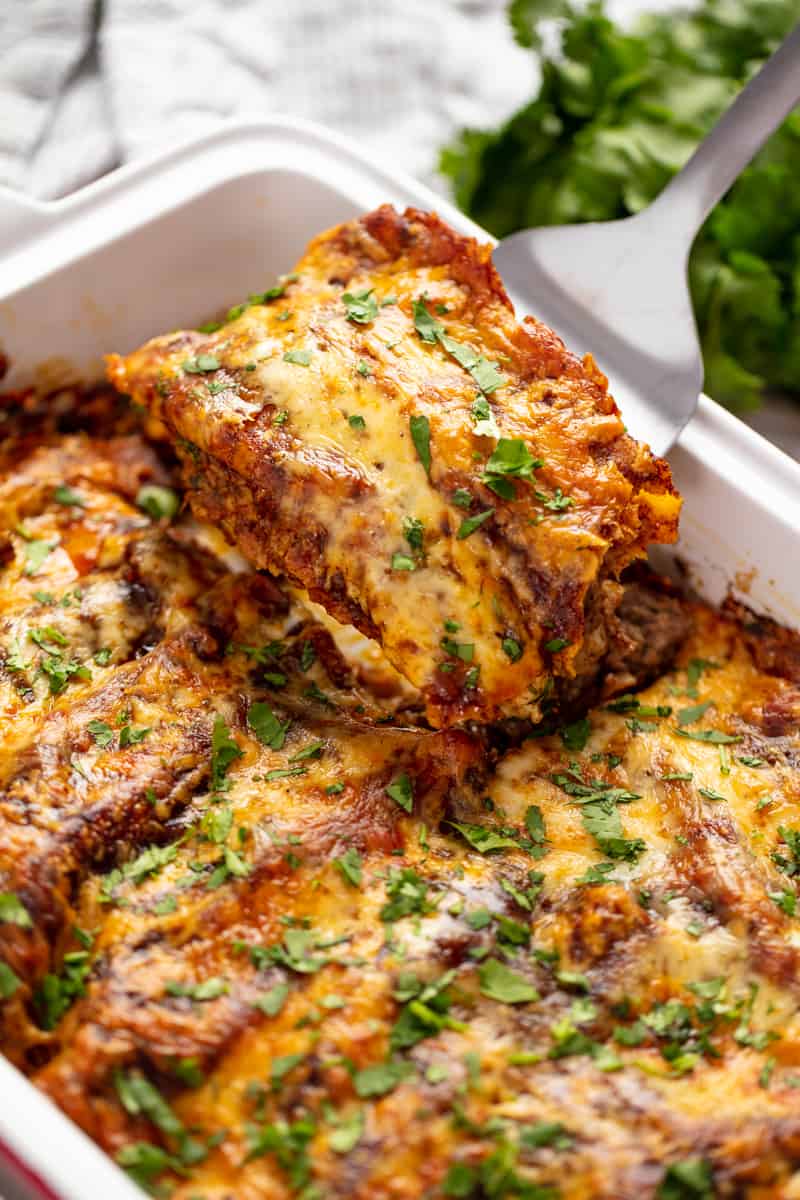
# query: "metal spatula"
619,288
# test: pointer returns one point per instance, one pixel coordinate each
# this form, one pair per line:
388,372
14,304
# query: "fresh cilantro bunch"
617,113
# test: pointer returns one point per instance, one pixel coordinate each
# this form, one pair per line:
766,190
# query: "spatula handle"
721,157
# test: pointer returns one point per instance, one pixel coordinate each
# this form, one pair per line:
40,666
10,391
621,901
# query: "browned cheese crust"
450,480
264,936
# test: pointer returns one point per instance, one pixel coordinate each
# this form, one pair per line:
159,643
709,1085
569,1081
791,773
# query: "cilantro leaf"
201,365
380,1078
402,792
266,726
470,524
483,839
688,1180
36,551
576,735
361,307
349,866
687,716
301,358
158,502
421,437
9,981
64,494
271,1002
102,733
13,911
485,423
224,751
499,982
426,325
714,736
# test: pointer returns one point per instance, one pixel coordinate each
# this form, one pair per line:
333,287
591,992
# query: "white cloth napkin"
85,86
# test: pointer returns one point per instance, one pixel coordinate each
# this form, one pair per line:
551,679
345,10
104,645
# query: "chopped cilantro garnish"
786,901
313,750
478,918
144,1162
60,672
534,823
46,637
408,893
483,839
102,733
288,1144
149,862
349,866
461,498
463,650
694,670
56,993
484,373
65,495
512,648
208,989
687,716
347,1133
224,751
414,532
380,1078
308,656
470,524
510,459
576,735
499,982
158,502
9,981
128,736
271,1002
421,437
217,823
710,794
554,645
401,791
690,1179
266,726
558,502
201,365
36,551
403,562
361,307
356,421
13,911
301,358
485,423
597,873
714,736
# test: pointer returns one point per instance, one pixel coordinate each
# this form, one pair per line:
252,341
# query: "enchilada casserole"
267,932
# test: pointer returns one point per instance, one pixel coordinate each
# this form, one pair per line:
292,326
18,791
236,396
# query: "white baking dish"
170,241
